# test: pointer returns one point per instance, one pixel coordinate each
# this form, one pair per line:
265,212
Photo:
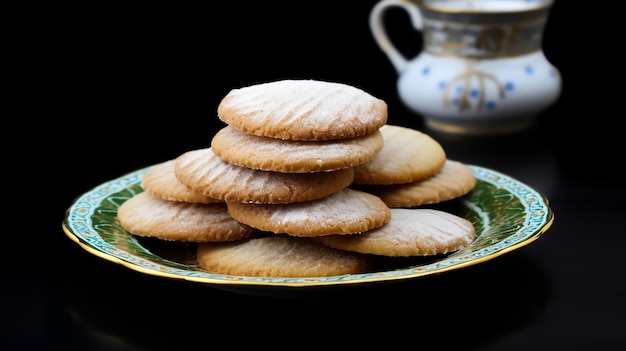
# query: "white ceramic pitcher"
481,70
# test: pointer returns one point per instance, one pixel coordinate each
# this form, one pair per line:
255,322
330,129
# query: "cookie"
160,181
271,154
303,110
346,212
411,232
454,180
150,216
408,155
280,256
208,174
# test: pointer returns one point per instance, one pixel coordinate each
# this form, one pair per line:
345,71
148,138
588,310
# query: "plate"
506,213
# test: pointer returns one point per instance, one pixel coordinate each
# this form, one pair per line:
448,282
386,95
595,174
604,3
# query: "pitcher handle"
377,27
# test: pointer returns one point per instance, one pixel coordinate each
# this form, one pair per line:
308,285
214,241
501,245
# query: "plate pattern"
506,213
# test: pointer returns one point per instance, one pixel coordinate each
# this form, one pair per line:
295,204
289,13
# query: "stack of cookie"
169,210
289,151
305,179
411,171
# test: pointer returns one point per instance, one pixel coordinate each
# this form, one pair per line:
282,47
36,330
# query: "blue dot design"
552,73
529,70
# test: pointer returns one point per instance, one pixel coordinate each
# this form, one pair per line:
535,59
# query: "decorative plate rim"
78,226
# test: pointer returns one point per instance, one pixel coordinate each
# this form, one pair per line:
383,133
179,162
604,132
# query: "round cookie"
208,174
346,212
271,154
150,216
160,181
411,232
408,155
454,180
303,110
280,256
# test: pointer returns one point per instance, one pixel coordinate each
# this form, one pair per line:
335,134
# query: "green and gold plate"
506,213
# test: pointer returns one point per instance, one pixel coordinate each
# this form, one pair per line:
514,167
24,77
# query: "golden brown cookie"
280,256
303,110
411,232
408,155
345,212
208,174
271,154
150,216
454,180
160,181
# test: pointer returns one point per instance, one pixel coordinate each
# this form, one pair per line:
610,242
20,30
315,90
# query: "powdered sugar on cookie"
411,232
346,212
303,110
271,154
206,173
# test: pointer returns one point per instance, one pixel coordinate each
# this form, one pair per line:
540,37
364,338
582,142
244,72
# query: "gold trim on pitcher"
443,38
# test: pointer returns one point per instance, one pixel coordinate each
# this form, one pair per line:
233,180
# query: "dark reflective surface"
144,86
514,293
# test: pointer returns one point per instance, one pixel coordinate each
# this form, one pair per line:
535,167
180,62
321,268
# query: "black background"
110,88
